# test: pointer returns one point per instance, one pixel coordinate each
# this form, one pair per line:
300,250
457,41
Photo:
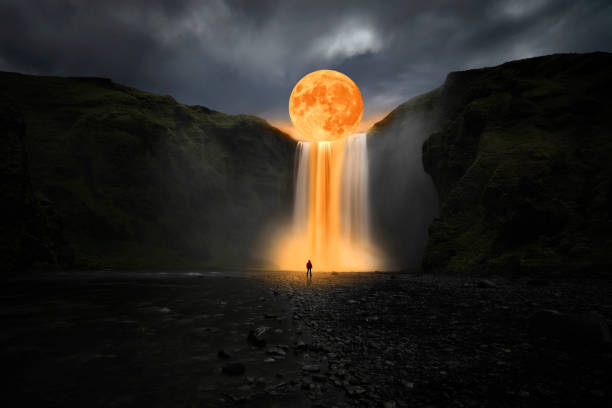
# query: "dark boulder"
486,284
256,337
233,368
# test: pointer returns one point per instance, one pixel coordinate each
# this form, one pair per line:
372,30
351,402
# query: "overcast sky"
246,56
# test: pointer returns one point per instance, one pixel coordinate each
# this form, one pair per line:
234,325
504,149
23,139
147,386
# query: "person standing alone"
309,268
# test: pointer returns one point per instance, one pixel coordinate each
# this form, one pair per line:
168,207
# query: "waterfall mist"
300,196
403,198
355,197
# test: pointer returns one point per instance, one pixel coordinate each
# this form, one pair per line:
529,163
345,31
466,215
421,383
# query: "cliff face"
30,231
129,179
522,163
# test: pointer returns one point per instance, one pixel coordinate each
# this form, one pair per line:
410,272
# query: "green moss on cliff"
403,200
522,164
139,180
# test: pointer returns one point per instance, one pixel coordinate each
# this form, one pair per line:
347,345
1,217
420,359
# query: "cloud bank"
245,56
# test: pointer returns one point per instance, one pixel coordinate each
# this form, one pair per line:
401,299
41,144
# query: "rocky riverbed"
279,340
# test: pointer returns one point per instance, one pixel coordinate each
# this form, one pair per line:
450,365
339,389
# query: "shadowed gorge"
120,178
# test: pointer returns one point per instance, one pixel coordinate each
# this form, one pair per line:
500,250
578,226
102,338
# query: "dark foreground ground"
380,340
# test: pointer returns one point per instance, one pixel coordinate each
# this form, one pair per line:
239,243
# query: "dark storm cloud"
245,56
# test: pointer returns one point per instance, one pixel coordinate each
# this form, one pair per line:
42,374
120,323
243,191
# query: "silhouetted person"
309,268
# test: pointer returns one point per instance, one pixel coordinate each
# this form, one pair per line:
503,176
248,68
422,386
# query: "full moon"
325,105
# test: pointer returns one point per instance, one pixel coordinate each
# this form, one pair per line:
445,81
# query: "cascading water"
300,173
355,201
331,208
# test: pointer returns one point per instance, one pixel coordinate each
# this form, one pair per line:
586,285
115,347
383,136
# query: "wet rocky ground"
281,340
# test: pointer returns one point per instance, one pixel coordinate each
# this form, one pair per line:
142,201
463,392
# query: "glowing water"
300,172
355,203
331,209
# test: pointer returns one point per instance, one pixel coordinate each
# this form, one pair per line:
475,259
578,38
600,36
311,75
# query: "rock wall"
523,166
129,179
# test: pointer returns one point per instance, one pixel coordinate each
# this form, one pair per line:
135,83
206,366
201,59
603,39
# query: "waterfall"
355,204
300,193
331,217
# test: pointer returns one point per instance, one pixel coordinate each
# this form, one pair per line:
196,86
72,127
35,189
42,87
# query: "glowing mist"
355,202
331,209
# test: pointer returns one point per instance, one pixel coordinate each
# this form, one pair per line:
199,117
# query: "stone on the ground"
486,284
300,346
538,282
236,368
276,351
256,337
312,368
318,378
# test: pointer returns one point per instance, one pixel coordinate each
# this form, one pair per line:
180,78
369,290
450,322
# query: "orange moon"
325,105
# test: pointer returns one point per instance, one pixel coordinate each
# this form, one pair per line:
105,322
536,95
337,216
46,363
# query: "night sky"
245,56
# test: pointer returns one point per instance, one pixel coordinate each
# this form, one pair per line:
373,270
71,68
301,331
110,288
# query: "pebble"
486,284
236,368
276,352
313,368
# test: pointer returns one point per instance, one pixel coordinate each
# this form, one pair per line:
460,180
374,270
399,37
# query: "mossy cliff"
522,163
99,175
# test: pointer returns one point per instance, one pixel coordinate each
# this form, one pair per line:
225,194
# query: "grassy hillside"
129,179
523,167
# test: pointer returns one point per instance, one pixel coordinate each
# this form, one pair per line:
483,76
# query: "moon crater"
325,105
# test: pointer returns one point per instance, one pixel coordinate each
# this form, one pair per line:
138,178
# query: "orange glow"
325,105
331,213
320,237
370,121
286,126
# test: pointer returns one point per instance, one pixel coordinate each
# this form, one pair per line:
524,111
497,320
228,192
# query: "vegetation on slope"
523,167
131,179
